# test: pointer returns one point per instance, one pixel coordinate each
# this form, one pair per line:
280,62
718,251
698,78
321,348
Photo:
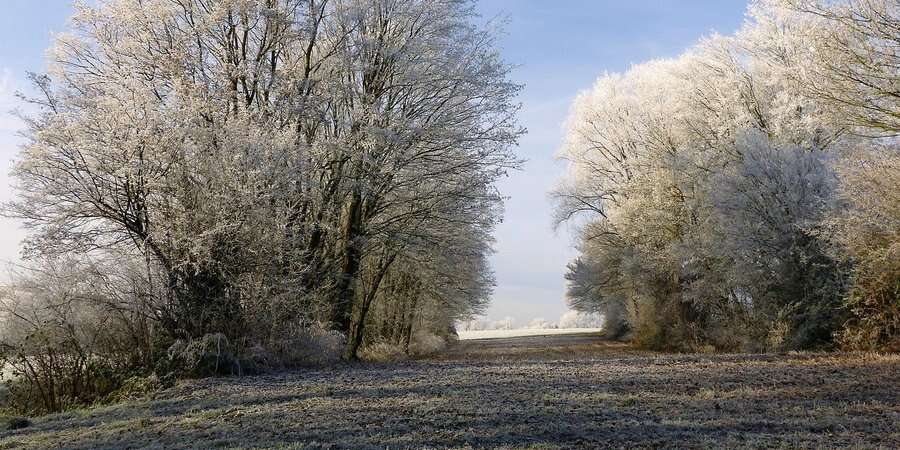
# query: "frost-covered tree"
842,54
714,191
591,293
843,57
697,179
273,160
155,133
767,220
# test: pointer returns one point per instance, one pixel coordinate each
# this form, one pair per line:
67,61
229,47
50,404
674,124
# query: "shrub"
875,302
425,343
16,423
209,355
67,338
53,382
305,344
868,231
382,352
137,388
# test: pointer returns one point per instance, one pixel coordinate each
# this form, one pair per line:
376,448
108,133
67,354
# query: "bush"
875,302
137,388
208,356
53,384
67,338
17,422
310,345
656,328
425,343
300,345
382,352
868,231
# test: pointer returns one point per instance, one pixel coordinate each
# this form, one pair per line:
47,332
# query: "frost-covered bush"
137,388
382,352
303,344
867,228
70,334
207,356
425,343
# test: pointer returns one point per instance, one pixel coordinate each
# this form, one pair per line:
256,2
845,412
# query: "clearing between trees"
559,391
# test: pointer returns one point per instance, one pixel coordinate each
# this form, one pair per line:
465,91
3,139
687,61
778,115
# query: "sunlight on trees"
722,196
273,164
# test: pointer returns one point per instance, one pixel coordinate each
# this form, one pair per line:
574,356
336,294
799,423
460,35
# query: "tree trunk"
351,224
407,329
357,326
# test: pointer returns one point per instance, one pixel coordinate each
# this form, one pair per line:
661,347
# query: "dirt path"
537,392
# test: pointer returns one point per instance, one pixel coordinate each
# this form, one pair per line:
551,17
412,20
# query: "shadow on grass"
613,400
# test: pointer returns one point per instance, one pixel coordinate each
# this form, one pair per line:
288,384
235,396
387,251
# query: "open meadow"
571,391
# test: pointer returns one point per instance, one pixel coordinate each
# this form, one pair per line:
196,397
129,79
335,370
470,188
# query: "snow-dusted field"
497,334
547,392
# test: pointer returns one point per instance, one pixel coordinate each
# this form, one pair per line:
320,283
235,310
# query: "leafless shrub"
382,352
71,332
302,344
210,355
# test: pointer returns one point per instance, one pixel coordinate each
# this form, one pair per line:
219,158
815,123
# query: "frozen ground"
570,391
494,334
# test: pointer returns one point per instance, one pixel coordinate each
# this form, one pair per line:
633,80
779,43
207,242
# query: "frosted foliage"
279,162
577,319
704,186
842,54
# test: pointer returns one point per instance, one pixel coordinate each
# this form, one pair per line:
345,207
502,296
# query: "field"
560,391
494,334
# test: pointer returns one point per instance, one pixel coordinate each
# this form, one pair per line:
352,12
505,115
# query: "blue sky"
560,46
25,34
